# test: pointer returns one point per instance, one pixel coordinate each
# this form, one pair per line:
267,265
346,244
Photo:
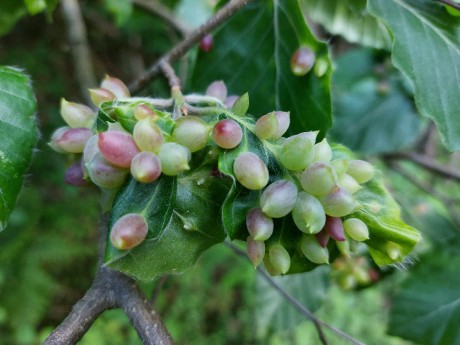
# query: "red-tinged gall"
302,61
259,226
129,231
99,96
145,167
70,140
116,86
255,251
206,43
117,147
147,135
279,198
227,133
218,90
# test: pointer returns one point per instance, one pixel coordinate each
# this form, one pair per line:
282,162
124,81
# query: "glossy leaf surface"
18,130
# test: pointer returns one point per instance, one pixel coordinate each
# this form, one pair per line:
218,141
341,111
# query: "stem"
163,12
184,46
299,306
180,108
84,70
427,163
111,289
450,4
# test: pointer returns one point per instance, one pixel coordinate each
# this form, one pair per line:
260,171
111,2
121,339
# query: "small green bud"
250,171
356,229
99,96
318,179
279,198
148,136
344,247
255,251
297,152
77,115
129,231
145,167
349,183
259,226
191,132
70,140
323,151
116,86
117,147
267,127
393,250
308,214
302,61
272,270
218,90
361,171
338,203
174,159
280,259
313,250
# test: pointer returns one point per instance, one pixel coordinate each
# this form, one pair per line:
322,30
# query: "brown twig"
425,162
450,4
164,13
84,70
110,290
184,46
299,306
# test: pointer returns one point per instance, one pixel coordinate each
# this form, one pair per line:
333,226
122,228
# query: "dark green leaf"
18,130
427,49
426,309
253,55
120,9
184,220
374,113
349,19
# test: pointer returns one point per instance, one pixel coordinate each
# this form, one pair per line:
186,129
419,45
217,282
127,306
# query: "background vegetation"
47,256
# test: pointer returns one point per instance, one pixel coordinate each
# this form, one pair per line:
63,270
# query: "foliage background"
47,256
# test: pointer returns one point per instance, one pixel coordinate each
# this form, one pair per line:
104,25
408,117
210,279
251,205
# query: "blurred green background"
48,253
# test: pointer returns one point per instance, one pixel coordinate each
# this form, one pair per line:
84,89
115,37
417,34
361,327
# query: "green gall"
356,229
77,115
338,203
259,226
279,258
313,250
297,152
318,179
279,198
174,159
323,151
360,170
250,171
191,132
308,214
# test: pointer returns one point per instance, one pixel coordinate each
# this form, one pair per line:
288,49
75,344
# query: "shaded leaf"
374,113
184,220
427,49
349,19
426,309
18,130
254,56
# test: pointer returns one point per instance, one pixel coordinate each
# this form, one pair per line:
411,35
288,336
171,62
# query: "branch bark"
84,70
184,46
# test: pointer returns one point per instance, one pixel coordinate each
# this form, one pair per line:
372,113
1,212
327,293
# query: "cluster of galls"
317,191
318,209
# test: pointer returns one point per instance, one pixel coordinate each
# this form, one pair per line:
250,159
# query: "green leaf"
374,113
18,130
10,12
272,311
349,19
121,10
184,220
241,105
426,309
427,49
252,53
35,6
